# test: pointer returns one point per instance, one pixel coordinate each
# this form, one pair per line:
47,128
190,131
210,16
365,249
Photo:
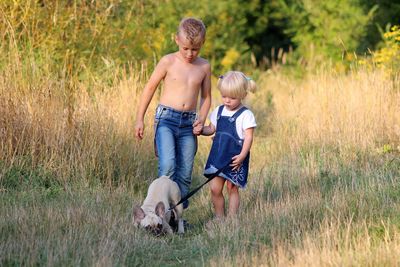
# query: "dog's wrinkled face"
152,222
156,230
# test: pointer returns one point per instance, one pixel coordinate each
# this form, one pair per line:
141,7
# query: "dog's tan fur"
153,214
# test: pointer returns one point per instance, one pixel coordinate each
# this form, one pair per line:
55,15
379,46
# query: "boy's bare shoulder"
204,64
168,59
202,61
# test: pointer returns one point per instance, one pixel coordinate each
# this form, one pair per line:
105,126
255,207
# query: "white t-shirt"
245,120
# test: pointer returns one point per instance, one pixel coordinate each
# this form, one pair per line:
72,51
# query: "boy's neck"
179,56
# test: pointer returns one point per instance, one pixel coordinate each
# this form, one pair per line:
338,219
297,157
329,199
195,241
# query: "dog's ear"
160,209
138,215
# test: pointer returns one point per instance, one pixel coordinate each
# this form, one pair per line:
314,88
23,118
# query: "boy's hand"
139,130
237,161
197,127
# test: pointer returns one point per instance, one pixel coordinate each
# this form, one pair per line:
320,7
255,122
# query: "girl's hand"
237,161
197,127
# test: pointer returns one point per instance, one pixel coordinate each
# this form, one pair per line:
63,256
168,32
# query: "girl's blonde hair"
236,84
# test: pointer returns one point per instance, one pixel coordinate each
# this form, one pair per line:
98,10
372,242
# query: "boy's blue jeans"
176,145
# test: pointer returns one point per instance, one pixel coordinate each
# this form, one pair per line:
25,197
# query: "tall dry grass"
328,122
71,130
324,174
359,109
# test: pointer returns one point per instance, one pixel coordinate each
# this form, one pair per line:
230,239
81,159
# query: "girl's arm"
158,74
248,141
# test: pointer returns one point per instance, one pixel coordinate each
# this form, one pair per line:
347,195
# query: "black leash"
191,193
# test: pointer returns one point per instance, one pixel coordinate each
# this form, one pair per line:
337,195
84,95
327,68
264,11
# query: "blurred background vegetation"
88,38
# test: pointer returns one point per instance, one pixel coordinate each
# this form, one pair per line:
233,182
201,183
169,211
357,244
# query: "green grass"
46,223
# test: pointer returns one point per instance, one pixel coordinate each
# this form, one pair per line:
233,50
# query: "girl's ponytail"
251,85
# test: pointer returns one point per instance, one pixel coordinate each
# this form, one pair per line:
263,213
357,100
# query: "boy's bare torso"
182,82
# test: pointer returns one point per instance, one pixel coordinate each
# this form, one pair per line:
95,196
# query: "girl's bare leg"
216,186
234,200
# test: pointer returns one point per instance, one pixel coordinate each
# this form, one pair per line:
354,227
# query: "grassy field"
324,187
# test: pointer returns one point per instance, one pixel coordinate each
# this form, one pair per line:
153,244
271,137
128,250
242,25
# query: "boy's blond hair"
193,29
236,84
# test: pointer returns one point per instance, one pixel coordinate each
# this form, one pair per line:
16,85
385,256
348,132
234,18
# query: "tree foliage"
325,28
82,35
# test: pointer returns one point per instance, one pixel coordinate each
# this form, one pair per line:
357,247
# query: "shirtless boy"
185,76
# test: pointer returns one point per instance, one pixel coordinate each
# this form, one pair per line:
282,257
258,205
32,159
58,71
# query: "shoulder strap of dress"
237,113
220,111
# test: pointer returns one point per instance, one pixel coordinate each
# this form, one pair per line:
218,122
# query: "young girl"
233,125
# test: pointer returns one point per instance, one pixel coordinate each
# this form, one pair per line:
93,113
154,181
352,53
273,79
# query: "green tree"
387,14
325,29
